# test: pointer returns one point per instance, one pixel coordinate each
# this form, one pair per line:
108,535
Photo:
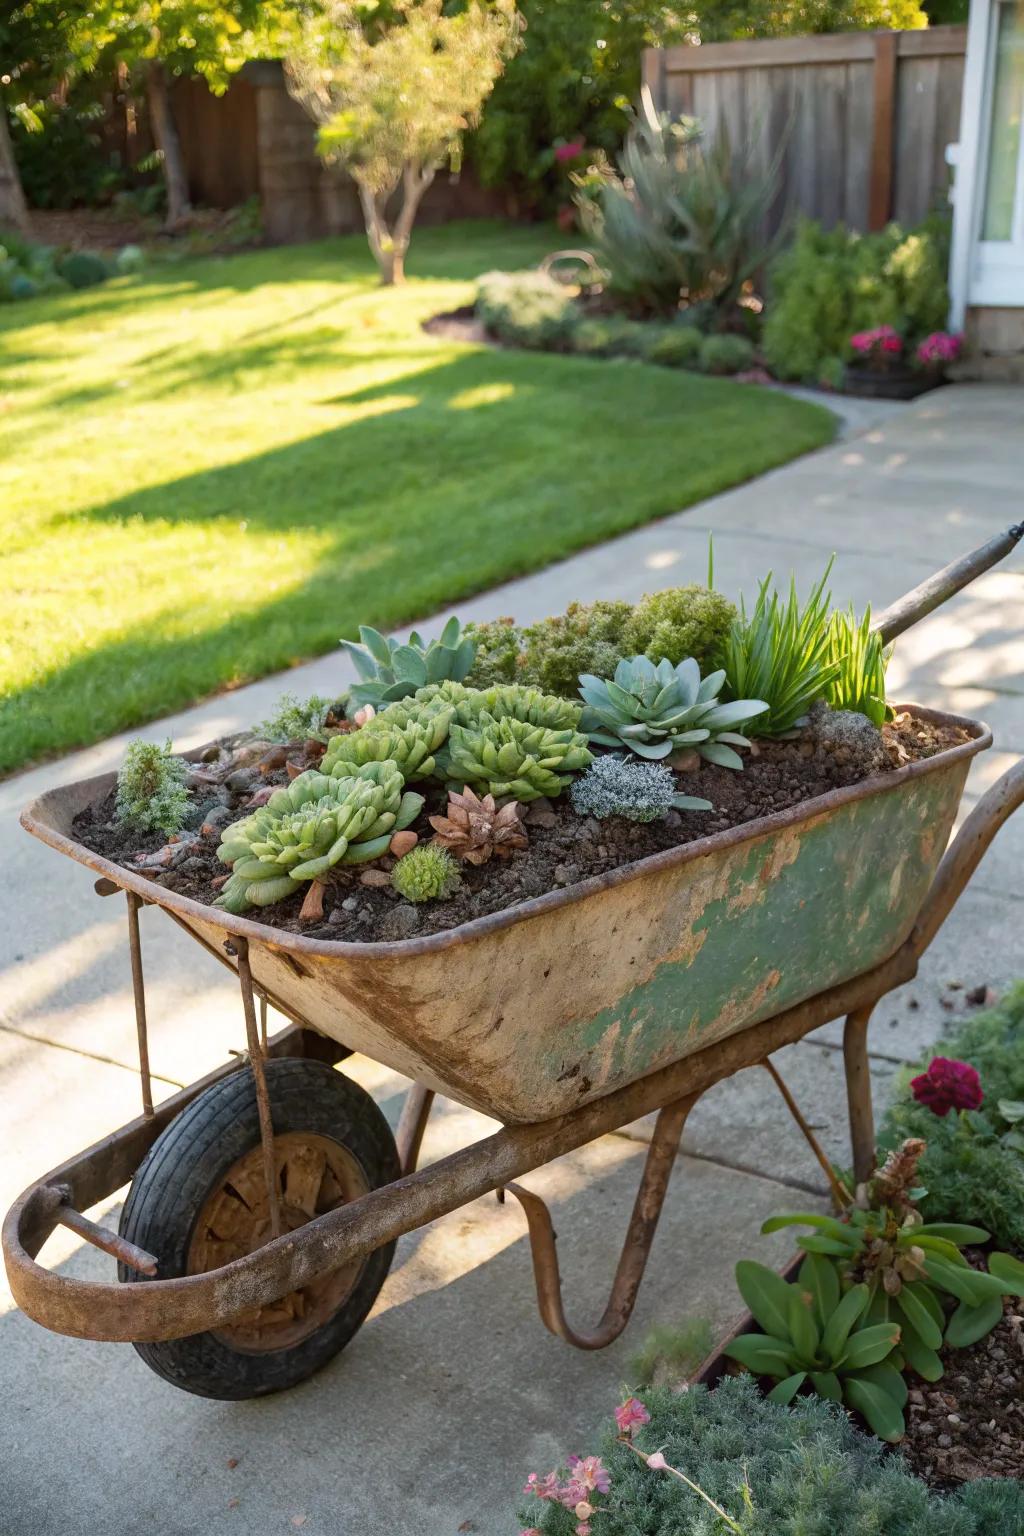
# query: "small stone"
261,796
240,780
401,922
403,843
365,916
952,1418
215,820
591,826
211,754
926,1429
686,761
540,813
602,850
273,760
977,997
350,904
374,877
945,1441
566,874
672,819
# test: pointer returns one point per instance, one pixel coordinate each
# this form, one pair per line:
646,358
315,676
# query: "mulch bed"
564,848
971,1423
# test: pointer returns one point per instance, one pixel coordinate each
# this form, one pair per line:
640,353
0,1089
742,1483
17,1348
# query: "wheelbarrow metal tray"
535,1010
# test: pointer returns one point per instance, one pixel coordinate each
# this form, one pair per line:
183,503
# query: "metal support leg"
241,949
643,1223
139,989
858,1093
411,1126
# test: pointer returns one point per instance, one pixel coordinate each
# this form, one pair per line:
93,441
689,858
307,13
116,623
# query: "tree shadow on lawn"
501,464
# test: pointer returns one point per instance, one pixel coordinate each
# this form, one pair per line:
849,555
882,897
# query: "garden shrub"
797,1471
679,622
828,284
498,643
25,269
726,354
83,269
969,1171
675,346
588,637
529,308
680,220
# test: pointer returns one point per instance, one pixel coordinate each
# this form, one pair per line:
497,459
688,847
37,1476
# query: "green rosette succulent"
503,701
307,828
658,710
512,758
405,739
392,669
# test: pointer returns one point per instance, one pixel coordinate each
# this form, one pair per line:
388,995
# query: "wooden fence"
862,118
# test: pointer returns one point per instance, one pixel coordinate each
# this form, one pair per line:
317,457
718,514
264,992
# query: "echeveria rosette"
658,710
390,669
407,738
307,828
947,1085
512,759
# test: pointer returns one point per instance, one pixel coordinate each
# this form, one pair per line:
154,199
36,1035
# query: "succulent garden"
494,762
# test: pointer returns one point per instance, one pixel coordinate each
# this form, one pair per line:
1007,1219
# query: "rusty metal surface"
166,1309
532,1011
650,1197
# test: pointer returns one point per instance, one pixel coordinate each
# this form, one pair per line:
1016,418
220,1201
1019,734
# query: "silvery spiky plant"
296,719
306,829
511,758
657,710
622,786
392,669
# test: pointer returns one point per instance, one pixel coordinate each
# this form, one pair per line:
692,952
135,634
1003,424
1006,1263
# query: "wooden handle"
931,594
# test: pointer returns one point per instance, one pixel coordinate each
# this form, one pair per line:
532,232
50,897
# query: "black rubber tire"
183,1168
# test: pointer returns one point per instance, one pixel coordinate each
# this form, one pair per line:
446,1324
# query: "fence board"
862,118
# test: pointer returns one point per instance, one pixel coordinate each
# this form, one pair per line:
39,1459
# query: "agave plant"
818,1335
511,758
309,827
657,710
392,669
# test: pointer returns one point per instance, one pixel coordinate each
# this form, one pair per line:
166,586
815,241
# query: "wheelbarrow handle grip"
931,594
965,853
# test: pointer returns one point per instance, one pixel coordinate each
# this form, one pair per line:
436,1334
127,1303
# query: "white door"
997,271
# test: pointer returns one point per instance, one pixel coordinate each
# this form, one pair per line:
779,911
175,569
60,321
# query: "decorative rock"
567,874
672,819
240,780
540,813
215,820
261,796
402,922
374,877
403,843
686,761
350,904
211,754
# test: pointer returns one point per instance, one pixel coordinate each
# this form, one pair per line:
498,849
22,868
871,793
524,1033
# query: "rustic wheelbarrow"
266,1199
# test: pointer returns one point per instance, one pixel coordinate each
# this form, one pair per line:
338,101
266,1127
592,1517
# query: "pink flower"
948,1085
570,151
629,1414
940,347
533,1531
583,1510
583,1529
657,1462
544,1487
590,1474
882,339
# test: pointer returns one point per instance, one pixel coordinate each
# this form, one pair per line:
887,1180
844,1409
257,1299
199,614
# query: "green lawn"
213,470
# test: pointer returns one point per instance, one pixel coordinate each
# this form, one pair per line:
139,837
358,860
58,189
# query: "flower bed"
464,776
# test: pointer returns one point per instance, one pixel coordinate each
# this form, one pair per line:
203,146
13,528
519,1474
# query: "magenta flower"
590,1474
630,1414
948,1085
570,151
939,348
882,341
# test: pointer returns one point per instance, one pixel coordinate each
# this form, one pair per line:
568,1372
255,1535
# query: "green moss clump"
679,622
498,645
151,793
426,874
969,1172
586,638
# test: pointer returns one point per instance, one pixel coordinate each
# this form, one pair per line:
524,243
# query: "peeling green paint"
791,914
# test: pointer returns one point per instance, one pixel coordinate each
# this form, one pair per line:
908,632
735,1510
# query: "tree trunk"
13,208
389,246
165,135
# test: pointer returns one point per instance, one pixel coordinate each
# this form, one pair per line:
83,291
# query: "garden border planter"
900,384
546,1006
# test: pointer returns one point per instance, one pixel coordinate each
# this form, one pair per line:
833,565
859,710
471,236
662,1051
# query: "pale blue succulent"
658,710
394,669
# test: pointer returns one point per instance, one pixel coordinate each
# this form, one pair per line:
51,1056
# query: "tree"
42,43
393,108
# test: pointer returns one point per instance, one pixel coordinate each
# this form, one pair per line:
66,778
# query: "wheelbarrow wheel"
199,1200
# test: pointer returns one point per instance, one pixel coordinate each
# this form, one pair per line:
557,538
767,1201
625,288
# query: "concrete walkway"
452,1392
